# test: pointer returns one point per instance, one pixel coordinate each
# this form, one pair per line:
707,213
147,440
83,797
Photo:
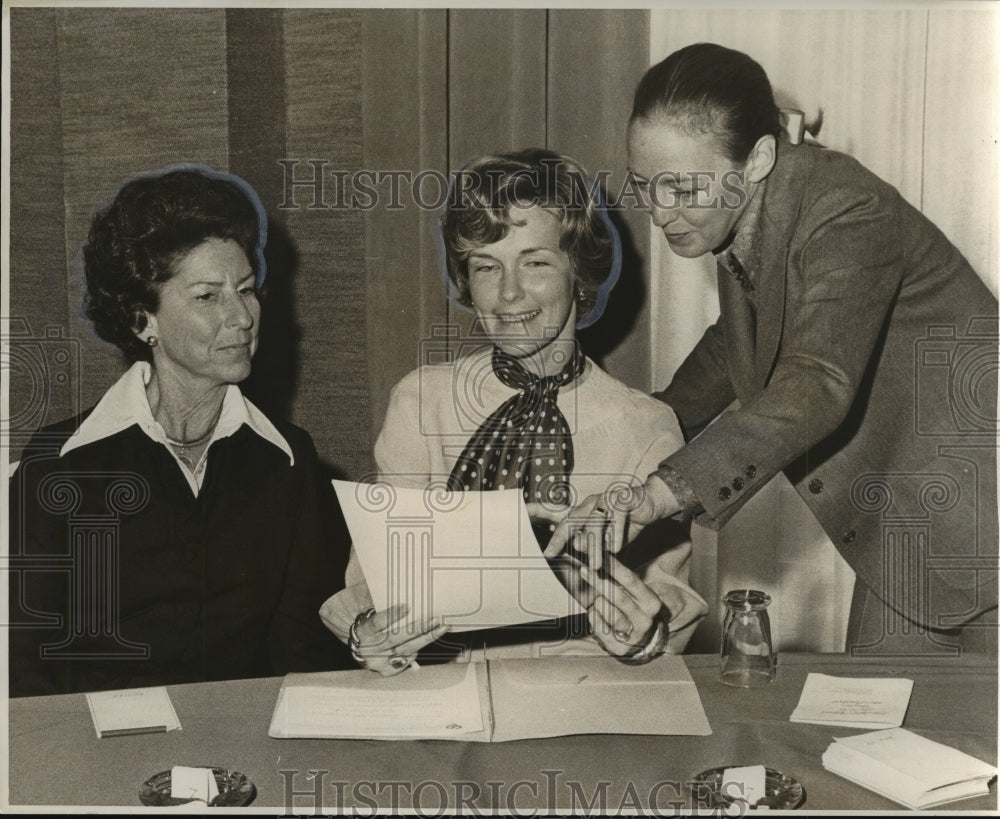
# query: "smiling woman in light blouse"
530,250
216,561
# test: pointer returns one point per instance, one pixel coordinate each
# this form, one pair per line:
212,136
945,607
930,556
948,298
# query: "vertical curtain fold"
323,110
595,60
256,130
405,133
39,295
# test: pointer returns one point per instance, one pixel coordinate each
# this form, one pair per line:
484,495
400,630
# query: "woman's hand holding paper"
388,641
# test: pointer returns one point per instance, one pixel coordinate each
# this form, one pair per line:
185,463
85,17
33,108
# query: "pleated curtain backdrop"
96,95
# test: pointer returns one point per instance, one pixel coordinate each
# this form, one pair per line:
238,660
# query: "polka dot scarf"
526,443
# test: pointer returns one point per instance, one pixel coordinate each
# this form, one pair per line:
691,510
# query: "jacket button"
724,493
849,536
751,471
737,484
815,486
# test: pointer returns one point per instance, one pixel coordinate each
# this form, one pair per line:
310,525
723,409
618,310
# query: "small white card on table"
132,711
851,702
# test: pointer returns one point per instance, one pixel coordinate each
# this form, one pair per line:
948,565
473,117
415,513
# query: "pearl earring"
152,341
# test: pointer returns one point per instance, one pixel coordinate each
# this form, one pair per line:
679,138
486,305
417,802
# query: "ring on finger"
398,662
623,636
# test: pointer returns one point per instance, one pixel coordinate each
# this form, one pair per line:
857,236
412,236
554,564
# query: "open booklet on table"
494,701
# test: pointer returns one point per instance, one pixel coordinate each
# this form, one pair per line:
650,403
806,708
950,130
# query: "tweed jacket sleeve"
701,388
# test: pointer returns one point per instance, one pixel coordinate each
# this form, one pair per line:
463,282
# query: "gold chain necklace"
182,448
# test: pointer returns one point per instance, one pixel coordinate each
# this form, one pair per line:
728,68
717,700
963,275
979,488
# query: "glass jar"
747,658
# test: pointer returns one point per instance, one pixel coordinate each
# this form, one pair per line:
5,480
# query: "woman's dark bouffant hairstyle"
136,239
712,89
484,203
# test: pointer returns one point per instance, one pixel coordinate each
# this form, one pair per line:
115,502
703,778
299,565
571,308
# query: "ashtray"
235,790
783,791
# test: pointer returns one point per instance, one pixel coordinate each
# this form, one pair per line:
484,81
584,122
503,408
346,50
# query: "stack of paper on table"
871,702
132,711
468,558
494,701
907,768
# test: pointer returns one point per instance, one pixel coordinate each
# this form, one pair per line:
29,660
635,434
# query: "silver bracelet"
656,646
353,642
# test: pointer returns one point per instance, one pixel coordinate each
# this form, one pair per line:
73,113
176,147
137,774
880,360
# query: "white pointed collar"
125,405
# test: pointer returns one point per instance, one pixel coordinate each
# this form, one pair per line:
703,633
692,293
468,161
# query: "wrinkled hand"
600,521
591,529
388,641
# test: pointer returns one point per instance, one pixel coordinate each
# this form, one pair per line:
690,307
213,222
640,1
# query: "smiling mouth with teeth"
507,318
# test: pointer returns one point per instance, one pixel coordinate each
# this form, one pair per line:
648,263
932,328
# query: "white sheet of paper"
871,702
132,711
364,712
748,783
469,558
193,783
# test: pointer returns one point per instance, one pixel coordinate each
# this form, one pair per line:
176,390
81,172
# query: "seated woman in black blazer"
174,527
